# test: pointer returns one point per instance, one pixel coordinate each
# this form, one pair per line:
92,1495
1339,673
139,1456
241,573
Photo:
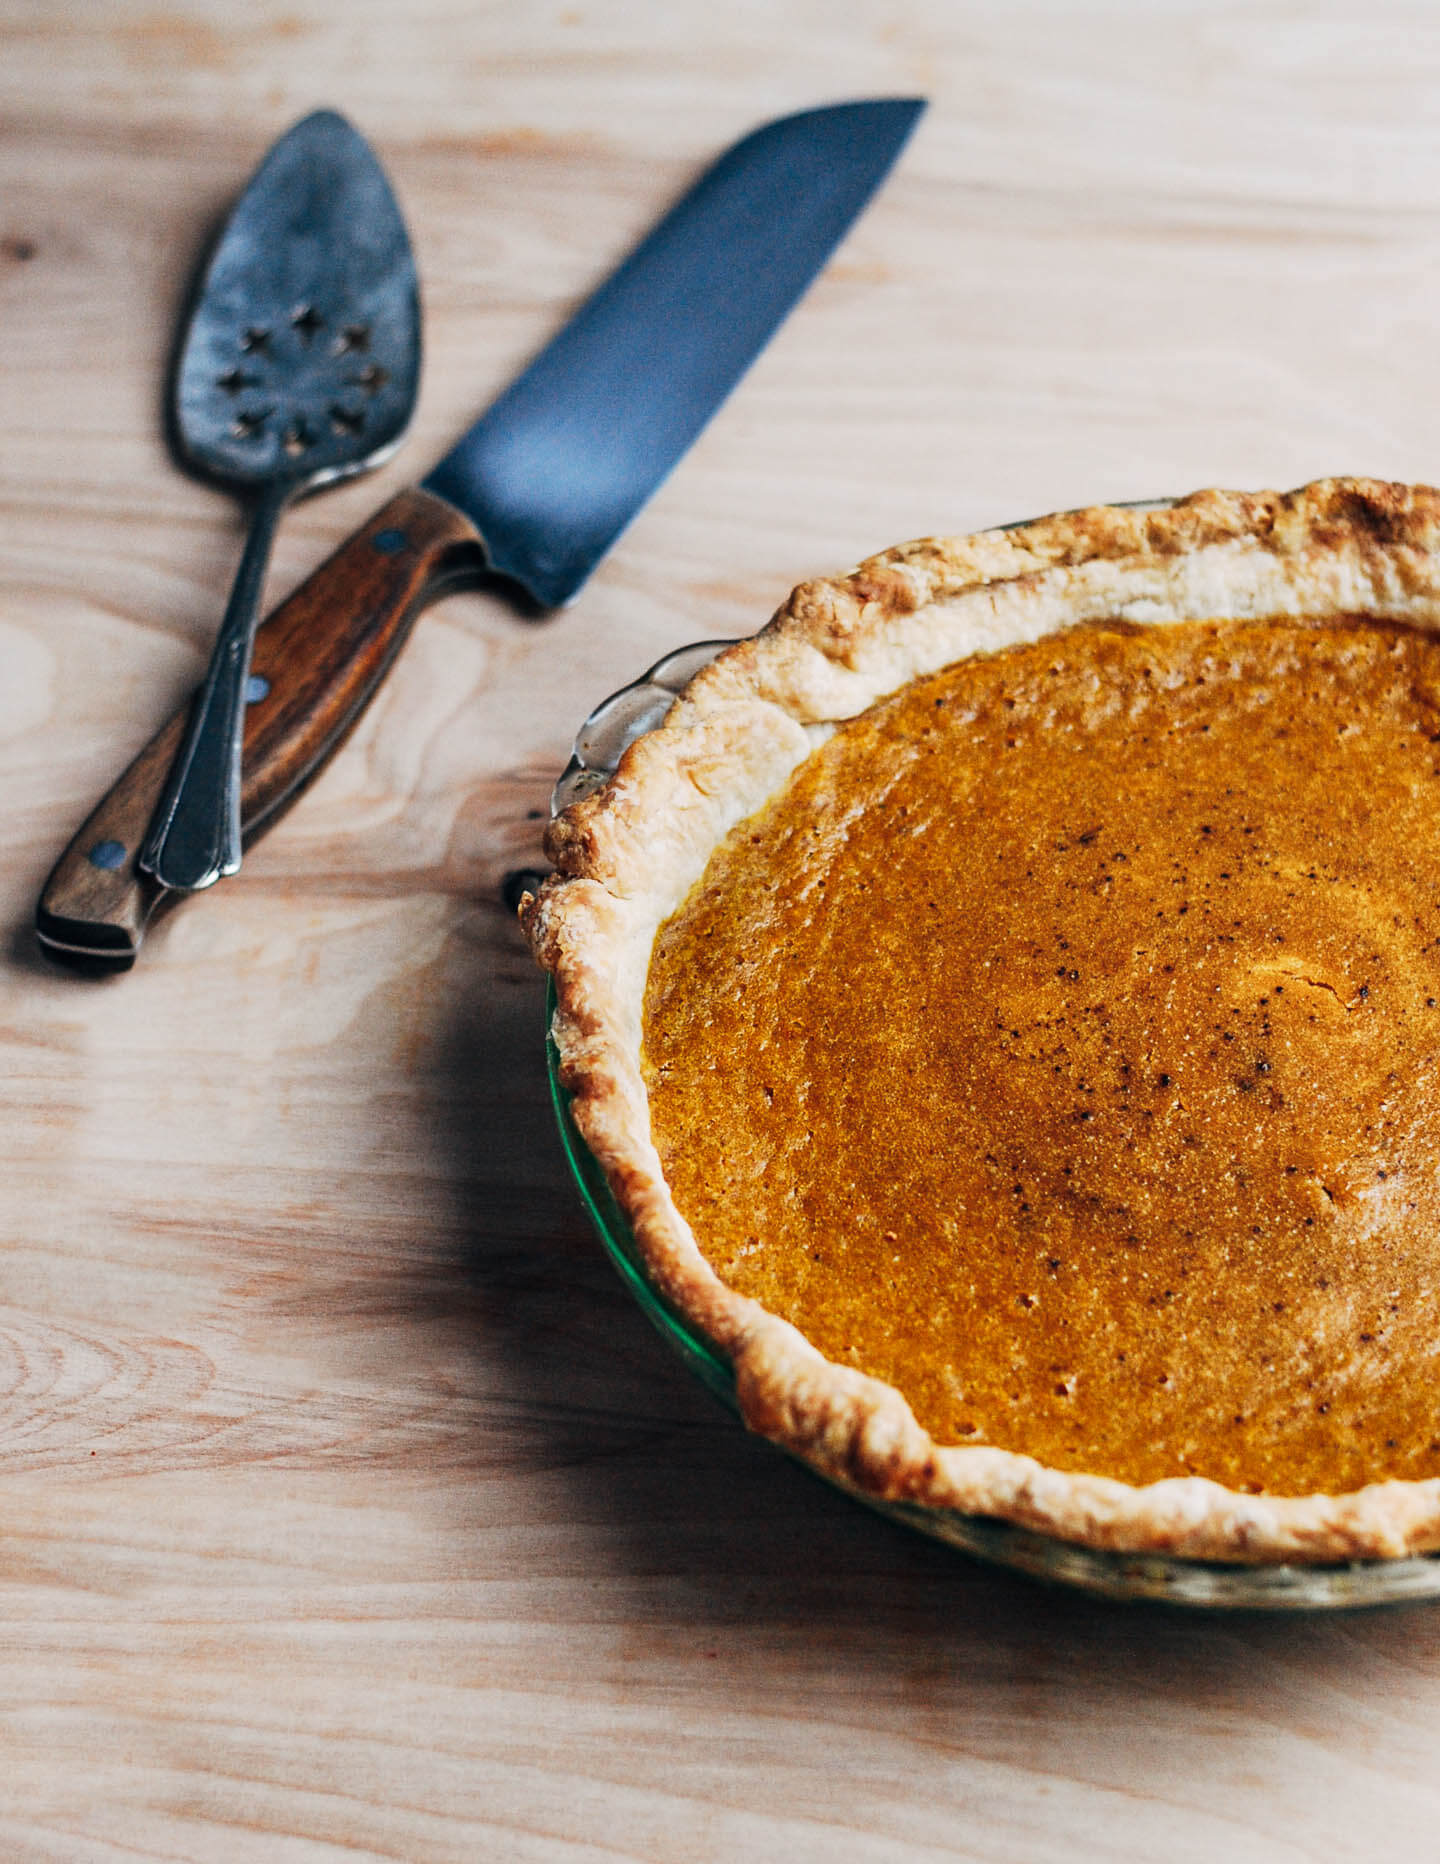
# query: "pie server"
535,493
300,368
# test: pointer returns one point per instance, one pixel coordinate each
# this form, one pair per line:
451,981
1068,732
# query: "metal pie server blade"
536,491
300,368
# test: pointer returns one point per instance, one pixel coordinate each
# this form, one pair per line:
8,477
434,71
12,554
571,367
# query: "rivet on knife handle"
318,659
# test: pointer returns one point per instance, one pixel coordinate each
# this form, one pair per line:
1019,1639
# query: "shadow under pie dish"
1001,997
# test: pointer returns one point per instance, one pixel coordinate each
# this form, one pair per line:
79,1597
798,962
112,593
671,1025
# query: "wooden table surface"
348,1509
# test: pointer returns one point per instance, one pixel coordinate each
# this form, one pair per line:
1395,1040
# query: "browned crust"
626,856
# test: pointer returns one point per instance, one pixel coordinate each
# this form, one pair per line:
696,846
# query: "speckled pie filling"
1060,1046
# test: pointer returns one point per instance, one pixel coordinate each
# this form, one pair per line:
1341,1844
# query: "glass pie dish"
613,725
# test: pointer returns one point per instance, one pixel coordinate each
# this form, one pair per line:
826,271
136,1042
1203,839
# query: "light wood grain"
347,1507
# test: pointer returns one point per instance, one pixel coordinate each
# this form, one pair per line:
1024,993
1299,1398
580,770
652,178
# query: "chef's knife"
536,492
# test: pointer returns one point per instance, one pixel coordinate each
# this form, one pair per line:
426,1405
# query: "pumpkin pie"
1004,997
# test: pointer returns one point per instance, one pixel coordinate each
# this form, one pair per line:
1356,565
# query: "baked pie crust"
1337,554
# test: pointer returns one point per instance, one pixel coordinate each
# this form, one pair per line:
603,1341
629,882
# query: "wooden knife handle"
320,655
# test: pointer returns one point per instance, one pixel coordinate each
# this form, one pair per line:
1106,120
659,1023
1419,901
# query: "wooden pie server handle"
321,656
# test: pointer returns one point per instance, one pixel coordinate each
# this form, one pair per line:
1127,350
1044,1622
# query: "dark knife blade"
535,492
571,451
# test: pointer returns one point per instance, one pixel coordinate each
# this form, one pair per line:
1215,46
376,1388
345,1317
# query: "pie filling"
1060,1046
